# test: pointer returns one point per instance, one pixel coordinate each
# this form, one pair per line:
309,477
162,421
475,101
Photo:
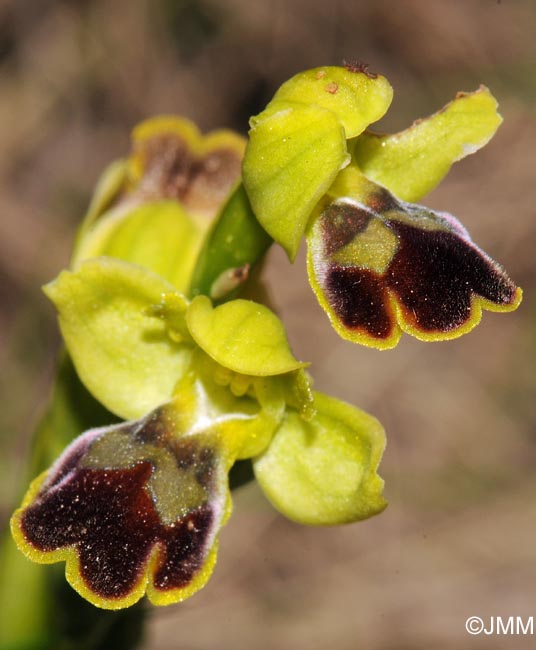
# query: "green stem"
236,242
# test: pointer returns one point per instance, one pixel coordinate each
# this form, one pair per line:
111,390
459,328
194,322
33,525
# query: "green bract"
235,244
323,472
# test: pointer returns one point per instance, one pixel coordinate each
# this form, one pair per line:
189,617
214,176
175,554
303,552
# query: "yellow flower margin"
144,586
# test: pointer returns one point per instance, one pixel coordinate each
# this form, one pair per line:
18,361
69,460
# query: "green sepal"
159,235
242,335
292,157
323,472
121,352
411,163
231,249
357,98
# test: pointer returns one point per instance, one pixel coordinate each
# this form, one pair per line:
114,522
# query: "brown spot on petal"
332,87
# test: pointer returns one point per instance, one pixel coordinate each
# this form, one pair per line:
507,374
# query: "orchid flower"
378,263
154,319
137,507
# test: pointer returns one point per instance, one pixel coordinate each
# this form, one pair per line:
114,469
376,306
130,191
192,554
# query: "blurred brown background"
459,536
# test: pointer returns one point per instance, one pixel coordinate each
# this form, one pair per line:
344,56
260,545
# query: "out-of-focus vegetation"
458,538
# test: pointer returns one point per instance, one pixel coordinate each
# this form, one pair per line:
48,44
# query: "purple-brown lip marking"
358,297
433,274
110,518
